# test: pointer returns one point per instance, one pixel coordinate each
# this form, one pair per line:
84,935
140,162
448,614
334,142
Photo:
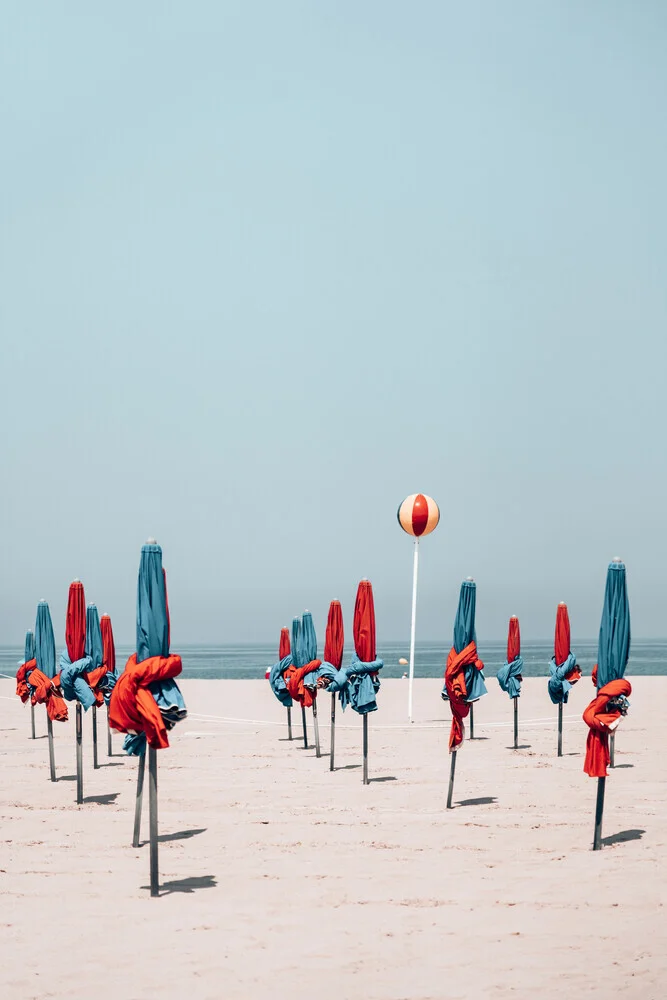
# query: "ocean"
243,661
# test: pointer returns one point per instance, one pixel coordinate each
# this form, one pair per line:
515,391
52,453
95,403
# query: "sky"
268,268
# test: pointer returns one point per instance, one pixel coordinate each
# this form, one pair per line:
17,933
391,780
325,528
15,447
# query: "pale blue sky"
267,268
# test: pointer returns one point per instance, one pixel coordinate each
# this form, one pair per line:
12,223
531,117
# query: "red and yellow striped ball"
418,515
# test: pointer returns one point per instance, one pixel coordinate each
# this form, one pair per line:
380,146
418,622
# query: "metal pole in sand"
333,732
599,809
365,749
316,727
560,728
109,743
516,723
32,720
413,626
95,762
305,735
52,759
452,769
79,754
152,820
289,723
612,747
139,800
472,721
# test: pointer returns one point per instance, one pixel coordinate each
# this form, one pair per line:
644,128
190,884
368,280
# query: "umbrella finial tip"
562,604
76,580
617,559
151,541
470,579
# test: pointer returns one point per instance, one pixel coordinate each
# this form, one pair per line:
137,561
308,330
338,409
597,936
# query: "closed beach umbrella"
464,680
146,701
95,650
284,648
363,679
109,660
72,666
509,675
334,642
301,677
563,669
45,655
277,679
604,713
28,657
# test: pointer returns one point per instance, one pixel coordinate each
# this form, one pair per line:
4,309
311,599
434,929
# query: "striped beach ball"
418,515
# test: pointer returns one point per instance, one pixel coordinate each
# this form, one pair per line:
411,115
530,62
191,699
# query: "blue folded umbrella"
45,643
464,634
614,640
153,640
29,647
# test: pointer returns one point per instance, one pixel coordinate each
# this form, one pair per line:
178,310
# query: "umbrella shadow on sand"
187,884
179,835
483,800
622,837
102,800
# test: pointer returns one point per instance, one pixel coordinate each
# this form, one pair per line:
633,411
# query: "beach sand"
281,879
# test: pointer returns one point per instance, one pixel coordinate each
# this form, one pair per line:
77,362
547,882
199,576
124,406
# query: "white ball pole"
415,570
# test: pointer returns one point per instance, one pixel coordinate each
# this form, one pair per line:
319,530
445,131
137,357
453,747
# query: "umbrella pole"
472,721
289,723
32,720
305,734
560,728
140,798
109,743
599,809
52,759
516,723
612,747
451,779
152,819
413,625
79,754
366,749
95,762
316,727
333,732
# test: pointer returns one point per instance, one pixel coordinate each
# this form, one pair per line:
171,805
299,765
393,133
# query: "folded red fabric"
455,683
599,723
133,708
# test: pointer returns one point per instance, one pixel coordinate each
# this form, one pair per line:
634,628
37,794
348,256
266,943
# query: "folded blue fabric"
74,687
357,686
509,677
277,681
558,686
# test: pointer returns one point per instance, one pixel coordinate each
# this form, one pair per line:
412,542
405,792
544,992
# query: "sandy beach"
281,879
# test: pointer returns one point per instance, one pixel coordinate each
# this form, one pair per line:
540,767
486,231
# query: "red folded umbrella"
22,689
363,627
284,648
45,694
513,640
562,636
108,645
75,626
335,639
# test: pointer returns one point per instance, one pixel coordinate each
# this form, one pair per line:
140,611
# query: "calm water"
247,661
